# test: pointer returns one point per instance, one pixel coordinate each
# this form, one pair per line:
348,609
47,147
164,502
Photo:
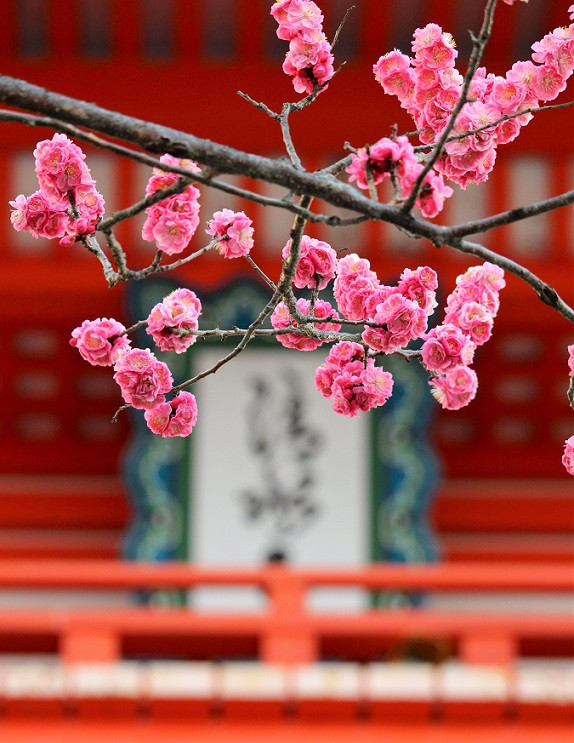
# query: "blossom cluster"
309,60
448,349
172,222
428,86
316,265
67,204
352,382
174,418
396,157
100,341
235,233
170,321
395,315
281,318
143,379
144,382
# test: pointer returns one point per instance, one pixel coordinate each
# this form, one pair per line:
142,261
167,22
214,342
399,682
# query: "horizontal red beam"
280,580
312,731
399,623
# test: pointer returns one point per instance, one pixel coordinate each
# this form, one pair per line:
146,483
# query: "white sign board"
274,469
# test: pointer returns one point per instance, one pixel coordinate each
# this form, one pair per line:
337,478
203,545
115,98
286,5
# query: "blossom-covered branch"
463,119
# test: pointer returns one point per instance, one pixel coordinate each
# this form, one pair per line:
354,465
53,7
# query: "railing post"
88,643
487,648
289,637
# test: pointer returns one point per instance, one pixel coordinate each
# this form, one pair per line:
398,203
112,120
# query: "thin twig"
270,283
545,292
259,105
287,139
259,320
340,27
90,243
131,211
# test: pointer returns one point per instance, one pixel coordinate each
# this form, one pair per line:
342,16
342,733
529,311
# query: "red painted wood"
240,731
285,587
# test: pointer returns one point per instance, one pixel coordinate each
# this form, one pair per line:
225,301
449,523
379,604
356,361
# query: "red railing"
286,630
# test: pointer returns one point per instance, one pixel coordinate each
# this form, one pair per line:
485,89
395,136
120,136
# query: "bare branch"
340,27
248,335
544,291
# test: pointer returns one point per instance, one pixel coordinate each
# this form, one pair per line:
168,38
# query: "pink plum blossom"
143,379
174,418
281,318
354,284
316,265
309,61
428,86
172,222
100,341
446,346
67,205
235,231
433,192
568,456
352,384
380,160
179,311
456,388
401,321
420,285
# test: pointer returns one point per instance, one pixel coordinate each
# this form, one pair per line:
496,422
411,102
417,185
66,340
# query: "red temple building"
503,498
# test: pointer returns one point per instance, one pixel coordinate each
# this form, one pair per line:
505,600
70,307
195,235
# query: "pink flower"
420,286
354,284
547,82
67,204
571,360
380,160
475,320
172,222
163,178
316,265
143,380
402,321
39,216
18,215
446,346
352,385
389,63
235,230
60,166
179,311
100,341
568,456
432,194
174,418
281,318
378,384
304,14
456,388
309,60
